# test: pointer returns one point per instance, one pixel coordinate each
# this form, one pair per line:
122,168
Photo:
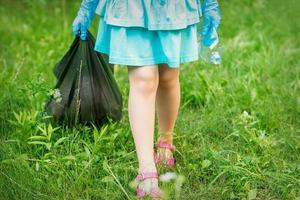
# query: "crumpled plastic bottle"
210,53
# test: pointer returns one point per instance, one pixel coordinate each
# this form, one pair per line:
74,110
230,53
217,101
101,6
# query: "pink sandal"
155,192
169,162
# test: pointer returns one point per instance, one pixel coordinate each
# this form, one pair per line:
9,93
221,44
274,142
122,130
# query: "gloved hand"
209,48
84,17
212,18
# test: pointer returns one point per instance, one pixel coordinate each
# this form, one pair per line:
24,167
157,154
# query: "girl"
152,38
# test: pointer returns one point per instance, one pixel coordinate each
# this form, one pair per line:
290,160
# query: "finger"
75,29
206,26
83,31
216,19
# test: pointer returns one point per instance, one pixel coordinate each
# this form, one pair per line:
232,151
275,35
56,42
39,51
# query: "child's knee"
144,81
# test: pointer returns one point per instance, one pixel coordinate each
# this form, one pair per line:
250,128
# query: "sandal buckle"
146,175
165,145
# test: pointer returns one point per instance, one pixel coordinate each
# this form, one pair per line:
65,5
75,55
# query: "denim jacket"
151,14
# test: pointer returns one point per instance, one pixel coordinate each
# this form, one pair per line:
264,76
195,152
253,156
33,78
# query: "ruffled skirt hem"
137,46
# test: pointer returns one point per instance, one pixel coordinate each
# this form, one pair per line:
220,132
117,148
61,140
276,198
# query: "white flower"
245,114
166,177
57,95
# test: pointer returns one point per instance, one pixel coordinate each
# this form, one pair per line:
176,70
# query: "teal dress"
147,32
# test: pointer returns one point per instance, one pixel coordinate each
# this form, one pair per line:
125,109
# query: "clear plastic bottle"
209,48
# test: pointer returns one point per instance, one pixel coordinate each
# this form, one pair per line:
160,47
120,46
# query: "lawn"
238,130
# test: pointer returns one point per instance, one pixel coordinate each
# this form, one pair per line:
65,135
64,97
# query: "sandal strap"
165,133
156,192
140,192
171,161
145,175
165,145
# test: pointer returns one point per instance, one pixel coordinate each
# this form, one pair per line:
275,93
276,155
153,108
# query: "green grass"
237,132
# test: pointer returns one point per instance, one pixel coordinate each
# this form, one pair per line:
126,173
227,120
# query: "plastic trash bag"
86,90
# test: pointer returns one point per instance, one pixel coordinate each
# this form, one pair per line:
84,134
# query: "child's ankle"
147,168
165,136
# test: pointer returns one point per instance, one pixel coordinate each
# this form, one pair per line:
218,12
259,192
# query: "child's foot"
146,184
165,149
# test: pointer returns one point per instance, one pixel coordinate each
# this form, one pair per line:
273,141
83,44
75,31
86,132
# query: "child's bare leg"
141,109
167,100
167,106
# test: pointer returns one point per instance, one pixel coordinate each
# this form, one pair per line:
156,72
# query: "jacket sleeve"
100,10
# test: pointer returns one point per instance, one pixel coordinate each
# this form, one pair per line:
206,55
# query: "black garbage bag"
86,90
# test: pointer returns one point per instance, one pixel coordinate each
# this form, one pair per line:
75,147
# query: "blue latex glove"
212,18
209,50
84,17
